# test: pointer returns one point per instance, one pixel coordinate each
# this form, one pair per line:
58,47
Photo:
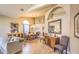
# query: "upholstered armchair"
64,40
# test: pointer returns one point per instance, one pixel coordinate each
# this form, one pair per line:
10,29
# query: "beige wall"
5,25
74,41
65,19
20,22
67,25
39,25
40,20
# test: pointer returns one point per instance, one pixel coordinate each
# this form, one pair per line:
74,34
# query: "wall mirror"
54,26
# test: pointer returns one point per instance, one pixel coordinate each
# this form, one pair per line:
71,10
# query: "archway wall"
65,18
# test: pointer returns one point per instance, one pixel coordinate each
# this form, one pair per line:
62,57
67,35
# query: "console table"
51,41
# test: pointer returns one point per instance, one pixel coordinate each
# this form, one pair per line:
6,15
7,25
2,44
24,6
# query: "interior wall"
74,41
5,25
38,25
39,20
67,25
20,22
64,18
65,21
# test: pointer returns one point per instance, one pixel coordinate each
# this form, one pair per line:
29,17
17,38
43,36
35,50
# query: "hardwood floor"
36,47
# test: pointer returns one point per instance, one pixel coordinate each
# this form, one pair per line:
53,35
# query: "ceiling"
40,11
13,10
30,10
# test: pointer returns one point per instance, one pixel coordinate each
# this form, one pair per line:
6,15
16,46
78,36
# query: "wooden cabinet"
51,41
47,40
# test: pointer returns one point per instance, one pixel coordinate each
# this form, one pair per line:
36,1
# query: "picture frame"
14,27
76,25
54,26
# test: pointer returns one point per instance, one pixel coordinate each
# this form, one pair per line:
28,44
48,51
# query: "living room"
31,24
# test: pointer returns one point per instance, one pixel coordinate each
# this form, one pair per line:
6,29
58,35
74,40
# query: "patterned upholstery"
10,46
64,40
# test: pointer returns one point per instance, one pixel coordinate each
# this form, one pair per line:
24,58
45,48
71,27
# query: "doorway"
26,28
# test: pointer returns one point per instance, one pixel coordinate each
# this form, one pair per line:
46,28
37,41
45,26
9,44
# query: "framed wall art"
76,25
14,27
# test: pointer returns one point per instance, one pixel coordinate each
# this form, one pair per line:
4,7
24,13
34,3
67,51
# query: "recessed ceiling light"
21,9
